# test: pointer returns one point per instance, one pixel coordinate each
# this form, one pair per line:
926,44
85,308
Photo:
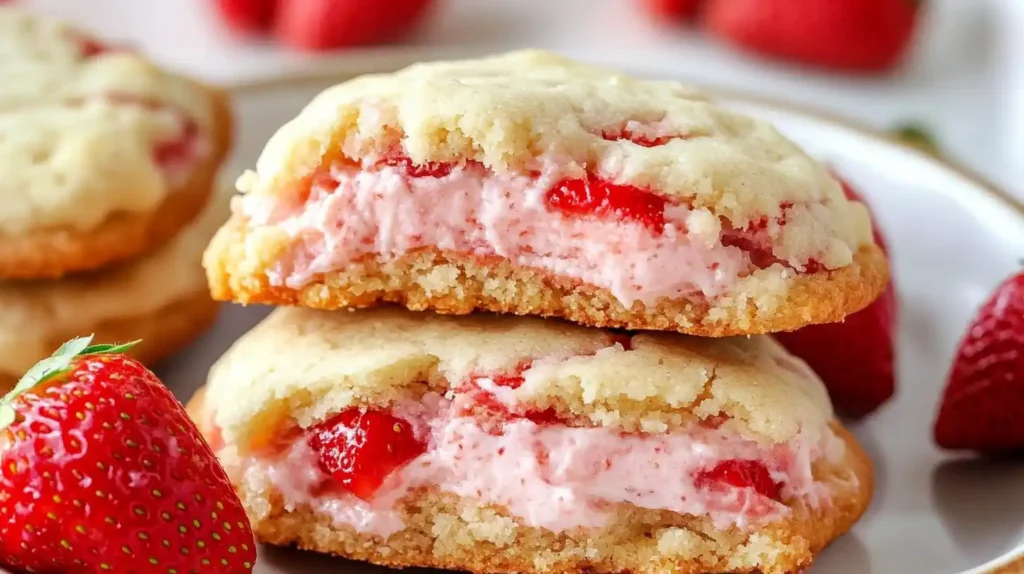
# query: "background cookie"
161,299
105,156
531,184
489,443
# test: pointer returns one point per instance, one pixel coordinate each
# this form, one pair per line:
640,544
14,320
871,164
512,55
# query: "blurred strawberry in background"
316,25
672,10
247,15
849,35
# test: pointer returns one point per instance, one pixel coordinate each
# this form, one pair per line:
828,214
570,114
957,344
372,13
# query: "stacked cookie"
108,166
601,237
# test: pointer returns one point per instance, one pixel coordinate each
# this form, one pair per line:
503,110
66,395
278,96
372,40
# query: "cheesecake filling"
640,248
558,477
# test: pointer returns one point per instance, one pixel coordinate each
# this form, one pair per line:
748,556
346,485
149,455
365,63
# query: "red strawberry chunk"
594,196
360,449
740,474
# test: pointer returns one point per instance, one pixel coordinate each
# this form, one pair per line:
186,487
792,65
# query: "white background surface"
965,79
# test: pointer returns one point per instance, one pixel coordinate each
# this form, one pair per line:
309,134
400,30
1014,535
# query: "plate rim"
340,69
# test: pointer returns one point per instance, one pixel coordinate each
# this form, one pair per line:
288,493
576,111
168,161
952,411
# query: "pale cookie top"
529,111
310,364
33,314
77,126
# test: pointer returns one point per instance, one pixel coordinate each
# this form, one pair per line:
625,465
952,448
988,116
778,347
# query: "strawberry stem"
57,363
917,135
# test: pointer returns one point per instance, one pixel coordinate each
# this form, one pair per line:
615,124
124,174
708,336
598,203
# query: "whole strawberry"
855,358
859,35
102,470
982,407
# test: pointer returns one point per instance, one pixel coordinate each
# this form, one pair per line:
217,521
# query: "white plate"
952,236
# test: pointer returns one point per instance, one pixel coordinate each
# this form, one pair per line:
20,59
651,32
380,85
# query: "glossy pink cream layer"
384,212
553,476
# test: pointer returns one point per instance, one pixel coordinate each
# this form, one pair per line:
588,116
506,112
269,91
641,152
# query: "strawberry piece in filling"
740,474
598,197
360,449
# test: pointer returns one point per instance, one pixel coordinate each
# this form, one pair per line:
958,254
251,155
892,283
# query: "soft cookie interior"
490,444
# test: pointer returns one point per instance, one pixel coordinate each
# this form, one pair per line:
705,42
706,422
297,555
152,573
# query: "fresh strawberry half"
740,474
982,407
359,449
856,358
327,24
858,35
102,470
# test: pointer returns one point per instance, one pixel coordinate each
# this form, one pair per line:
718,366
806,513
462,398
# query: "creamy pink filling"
382,211
553,476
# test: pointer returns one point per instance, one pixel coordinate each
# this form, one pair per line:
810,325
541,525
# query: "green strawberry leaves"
918,136
57,363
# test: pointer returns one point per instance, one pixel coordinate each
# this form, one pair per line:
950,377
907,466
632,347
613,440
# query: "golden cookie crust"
53,252
163,332
444,531
456,283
